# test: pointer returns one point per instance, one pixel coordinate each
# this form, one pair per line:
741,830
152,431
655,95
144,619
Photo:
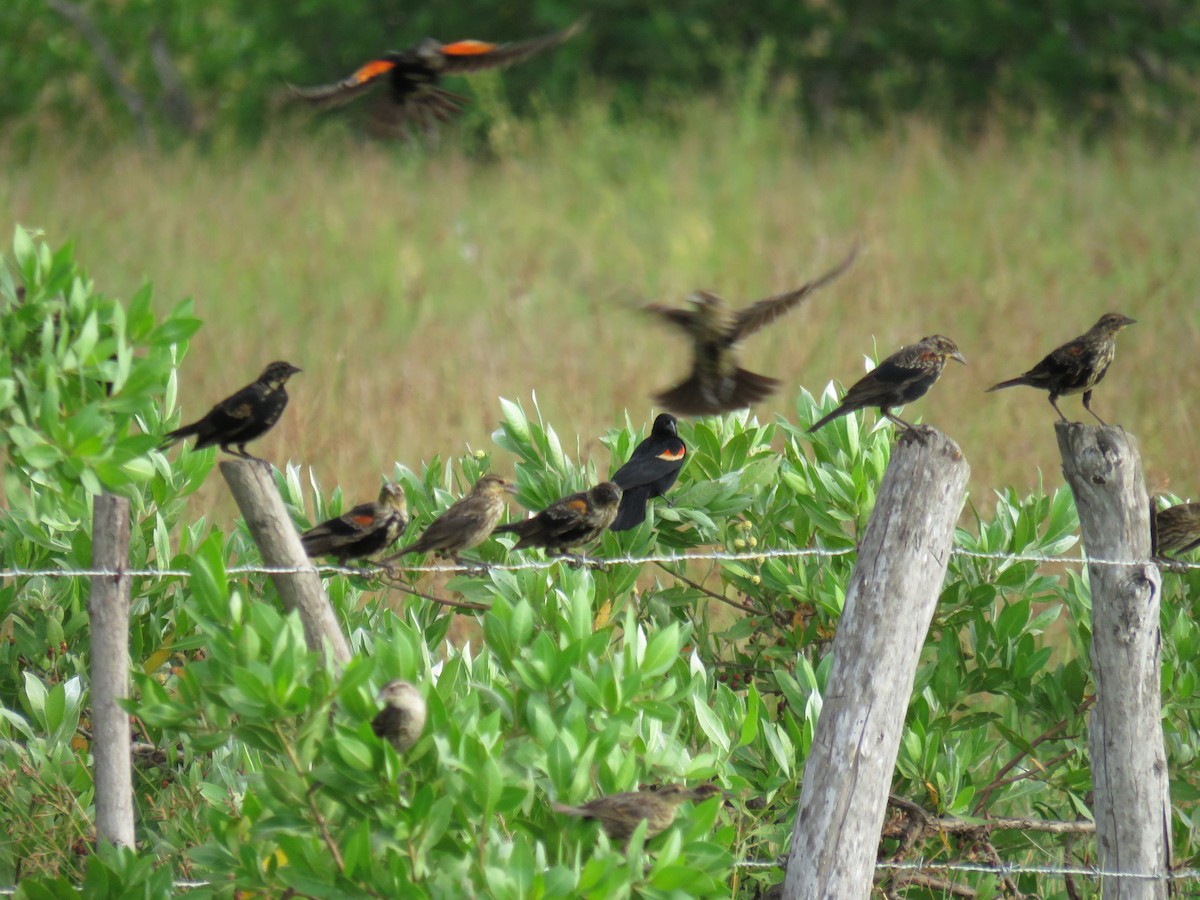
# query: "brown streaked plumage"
620,814
403,715
363,531
570,522
466,523
1176,529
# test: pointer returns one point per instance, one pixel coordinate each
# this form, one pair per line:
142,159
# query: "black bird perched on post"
364,530
403,715
465,523
1078,365
620,814
242,417
901,378
716,383
569,522
651,470
412,75
1176,529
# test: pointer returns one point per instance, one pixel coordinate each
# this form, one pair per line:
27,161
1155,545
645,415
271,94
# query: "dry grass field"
416,288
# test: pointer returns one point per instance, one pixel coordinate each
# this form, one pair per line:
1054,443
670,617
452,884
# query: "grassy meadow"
414,288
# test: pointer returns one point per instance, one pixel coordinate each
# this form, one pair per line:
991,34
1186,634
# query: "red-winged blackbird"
365,530
1176,529
403,714
412,75
569,522
620,814
464,524
1078,365
716,383
239,419
901,378
652,469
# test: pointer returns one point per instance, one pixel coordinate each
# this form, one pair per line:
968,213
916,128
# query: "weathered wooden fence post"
890,602
254,490
1132,802
108,619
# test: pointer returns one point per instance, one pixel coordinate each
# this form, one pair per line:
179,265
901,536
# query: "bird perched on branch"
570,522
244,416
620,814
412,76
716,383
901,378
466,523
651,470
1078,365
403,715
1176,529
363,531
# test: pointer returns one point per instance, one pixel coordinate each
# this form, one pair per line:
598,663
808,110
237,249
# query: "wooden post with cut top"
1132,803
890,601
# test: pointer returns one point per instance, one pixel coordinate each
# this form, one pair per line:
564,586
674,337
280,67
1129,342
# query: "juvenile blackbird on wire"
651,470
901,378
412,76
620,814
1078,365
242,417
570,522
363,531
403,715
716,383
466,523
1176,529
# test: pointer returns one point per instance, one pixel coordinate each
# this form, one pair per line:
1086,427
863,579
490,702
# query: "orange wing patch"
242,411
673,455
363,521
578,506
371,70
468,48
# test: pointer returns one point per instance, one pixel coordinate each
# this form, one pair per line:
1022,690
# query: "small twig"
394,582
744,607
919,879
1007,880
1069,879
326,836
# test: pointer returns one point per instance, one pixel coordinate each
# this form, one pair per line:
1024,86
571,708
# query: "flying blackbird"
412,75
466,523
403,714
652,469
569,522
1176,529
901,378
239,419
619,814
716,383
365,530
1078,365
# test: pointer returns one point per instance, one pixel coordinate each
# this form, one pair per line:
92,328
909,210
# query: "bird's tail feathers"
691,397
1012,382
632,511
827,418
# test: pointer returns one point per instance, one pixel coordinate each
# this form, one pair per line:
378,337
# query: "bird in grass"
901,378
716,383
403,715
620,814
413,76
1176,529
242,417
651,470
570,522
363,531
466,523
1078,365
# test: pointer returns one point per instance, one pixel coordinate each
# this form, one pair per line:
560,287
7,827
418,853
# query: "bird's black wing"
764,312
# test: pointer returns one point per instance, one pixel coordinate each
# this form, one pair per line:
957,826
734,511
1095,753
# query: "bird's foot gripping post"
890,601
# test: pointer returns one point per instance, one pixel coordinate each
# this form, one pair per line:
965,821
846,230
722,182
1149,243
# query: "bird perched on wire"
1176,529
651,470
242,417
1078,365
403,715
466,523
413,75
363,531
570,522
716,383
620,814
901,378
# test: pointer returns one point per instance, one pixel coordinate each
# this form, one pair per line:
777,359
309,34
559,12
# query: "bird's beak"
1128,321
956,355
510,487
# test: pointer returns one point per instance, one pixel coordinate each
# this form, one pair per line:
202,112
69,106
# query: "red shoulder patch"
364,521
468,48
673,454
578,506
373,69
1074,349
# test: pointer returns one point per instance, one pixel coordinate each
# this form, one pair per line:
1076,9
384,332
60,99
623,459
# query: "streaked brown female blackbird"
239,419
412,75
901,378
403,715
716,383
466,523
570,522
364,530
620,814
1176,529
652,469
1078,365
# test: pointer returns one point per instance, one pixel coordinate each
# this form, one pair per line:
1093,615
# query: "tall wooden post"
890,601
1125,737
